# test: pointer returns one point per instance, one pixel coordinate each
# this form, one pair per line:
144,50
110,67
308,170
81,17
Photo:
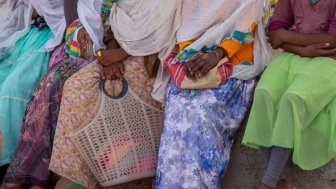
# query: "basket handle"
121,94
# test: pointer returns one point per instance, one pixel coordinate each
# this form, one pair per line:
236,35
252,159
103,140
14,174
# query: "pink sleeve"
283,16
332,26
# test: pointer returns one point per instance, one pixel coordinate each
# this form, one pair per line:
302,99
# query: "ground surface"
246,169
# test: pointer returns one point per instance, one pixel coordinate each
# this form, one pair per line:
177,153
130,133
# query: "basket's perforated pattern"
121,143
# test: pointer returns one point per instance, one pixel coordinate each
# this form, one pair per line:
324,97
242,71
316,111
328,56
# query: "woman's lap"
289,107
21,74
79,106
34,150
200,128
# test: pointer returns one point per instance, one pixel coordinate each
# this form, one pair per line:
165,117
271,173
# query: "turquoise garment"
20,73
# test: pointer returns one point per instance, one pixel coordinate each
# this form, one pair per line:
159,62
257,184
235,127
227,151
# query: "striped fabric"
71,44
177,74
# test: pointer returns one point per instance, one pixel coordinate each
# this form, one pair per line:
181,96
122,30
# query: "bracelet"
216,55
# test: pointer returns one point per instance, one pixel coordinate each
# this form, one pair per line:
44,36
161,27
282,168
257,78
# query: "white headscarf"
53,13
145,27
89,12
209,22
15,17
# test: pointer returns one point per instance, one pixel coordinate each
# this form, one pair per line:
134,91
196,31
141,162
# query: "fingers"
205,70
186,70
83,39
199,66
102,58
195,57
191,74
193,60
322,49
113,72
87,38
122,69
110,75
204,64
102,75
328,52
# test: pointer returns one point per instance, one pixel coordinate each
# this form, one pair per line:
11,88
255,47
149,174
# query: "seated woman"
33,154
294,102
201,123
24,55
112,63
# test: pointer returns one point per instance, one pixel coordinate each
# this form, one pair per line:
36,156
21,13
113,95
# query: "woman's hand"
109,57
276,38
114,71
200,65
83,39
317,50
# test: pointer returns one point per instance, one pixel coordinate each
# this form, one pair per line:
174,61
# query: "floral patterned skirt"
31,161
199,130
78,108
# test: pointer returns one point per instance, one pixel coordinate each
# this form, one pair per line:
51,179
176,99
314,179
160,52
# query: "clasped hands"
110,59
200,65
283,38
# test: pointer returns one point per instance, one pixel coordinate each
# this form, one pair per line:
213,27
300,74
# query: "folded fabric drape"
15,16
89,13
218,19
145,27
53,13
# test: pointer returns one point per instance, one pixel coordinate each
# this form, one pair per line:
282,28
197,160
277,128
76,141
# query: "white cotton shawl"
89,13
53,13
209,22
145,27
15,17
4,10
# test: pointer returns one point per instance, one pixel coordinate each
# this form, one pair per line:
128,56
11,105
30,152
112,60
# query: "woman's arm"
314,50
295,38
113,53
70,11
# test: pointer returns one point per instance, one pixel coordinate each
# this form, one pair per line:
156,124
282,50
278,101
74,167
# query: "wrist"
221,52
123,53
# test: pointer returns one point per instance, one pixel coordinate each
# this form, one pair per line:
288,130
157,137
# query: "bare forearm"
300,39
70,11
292,48
311,51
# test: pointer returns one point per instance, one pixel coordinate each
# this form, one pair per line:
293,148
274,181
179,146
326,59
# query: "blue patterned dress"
199,130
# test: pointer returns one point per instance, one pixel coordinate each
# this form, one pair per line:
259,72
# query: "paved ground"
246,169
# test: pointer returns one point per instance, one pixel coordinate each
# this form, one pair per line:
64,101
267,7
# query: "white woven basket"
121,143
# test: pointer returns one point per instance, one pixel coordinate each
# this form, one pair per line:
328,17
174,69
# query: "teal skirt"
295,107
20,73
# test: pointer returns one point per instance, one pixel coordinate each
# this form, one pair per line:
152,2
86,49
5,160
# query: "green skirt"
295,107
